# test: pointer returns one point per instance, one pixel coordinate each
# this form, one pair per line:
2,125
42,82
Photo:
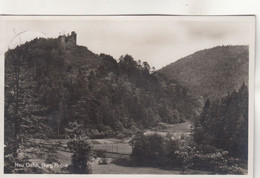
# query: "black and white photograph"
157,95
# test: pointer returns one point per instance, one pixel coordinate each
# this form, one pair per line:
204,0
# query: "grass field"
124,148
116,146
116,169
176,130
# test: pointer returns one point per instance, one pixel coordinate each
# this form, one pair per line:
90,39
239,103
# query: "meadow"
113,148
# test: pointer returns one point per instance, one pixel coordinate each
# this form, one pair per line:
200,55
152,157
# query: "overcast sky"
157,40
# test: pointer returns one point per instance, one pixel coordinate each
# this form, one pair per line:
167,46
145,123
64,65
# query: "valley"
111,147
71,111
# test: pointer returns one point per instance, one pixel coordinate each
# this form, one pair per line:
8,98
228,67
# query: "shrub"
140,149
120,136
103,161
218,162
80,157
101,153
172,159
147,150
51,158
157,151
123,162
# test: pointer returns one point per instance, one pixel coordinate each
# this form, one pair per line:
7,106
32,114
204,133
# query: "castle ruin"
68,41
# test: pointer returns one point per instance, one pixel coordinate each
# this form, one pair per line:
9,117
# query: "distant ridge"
211,73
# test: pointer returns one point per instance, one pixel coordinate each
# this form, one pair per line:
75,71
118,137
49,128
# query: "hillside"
50,83
211,73
68,110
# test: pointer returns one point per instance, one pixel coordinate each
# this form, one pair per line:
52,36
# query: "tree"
140,149
146,67
80,157
81,149
171,157
148,150
153,70
13,78
14,104
223,124
24,112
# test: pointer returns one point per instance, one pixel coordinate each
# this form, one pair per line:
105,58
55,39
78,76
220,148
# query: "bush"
80,157
95,134
157,151
172,159
123,162
218,162
120,136
140,149
51,158
147,150
101,153
103,161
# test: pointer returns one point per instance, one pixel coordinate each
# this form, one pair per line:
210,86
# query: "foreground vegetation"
183,155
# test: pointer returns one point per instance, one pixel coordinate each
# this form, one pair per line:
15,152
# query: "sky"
159,40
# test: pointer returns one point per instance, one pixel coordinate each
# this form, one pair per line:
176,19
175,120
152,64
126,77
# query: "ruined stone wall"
68,41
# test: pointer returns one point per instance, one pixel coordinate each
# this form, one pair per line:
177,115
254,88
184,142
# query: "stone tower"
69,40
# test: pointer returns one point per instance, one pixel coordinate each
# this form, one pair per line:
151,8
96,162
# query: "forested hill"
211,73
52,82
